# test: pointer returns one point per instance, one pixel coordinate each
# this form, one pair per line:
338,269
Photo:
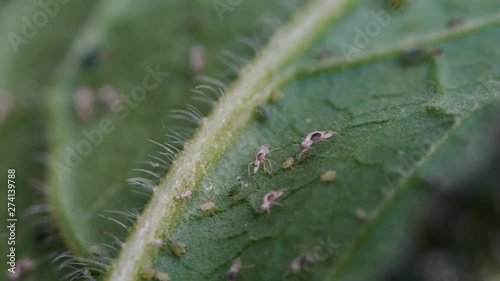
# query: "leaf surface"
400,125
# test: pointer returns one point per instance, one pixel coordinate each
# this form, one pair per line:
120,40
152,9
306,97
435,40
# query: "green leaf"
118,48
400,124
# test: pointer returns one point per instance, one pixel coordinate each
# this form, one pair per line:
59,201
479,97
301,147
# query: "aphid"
316,136
259,158
361,214
84,103
298,263
157,243
162,276
288,163
197,58
269,200
328,176
207,206
176,247
234,270
184,195
109,95
23,265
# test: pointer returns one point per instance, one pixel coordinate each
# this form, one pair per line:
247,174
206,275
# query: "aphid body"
176,247
314,137
233,271
269,200
288,163
328,176
184,195
298,263
260,157
207,206
162,276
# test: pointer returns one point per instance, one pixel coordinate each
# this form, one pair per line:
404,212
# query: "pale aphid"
23,265
260,157
328,176
177,247
162,276
288,163
157,243
314,137
109,95
84,103
184,195
270,200
361,214
207,206
298,263
197,58
233,271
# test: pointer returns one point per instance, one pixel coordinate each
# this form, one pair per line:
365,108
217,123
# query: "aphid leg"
248,167
302,155
277,148
269,171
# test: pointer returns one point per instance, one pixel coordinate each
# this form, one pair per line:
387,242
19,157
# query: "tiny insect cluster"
270,199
